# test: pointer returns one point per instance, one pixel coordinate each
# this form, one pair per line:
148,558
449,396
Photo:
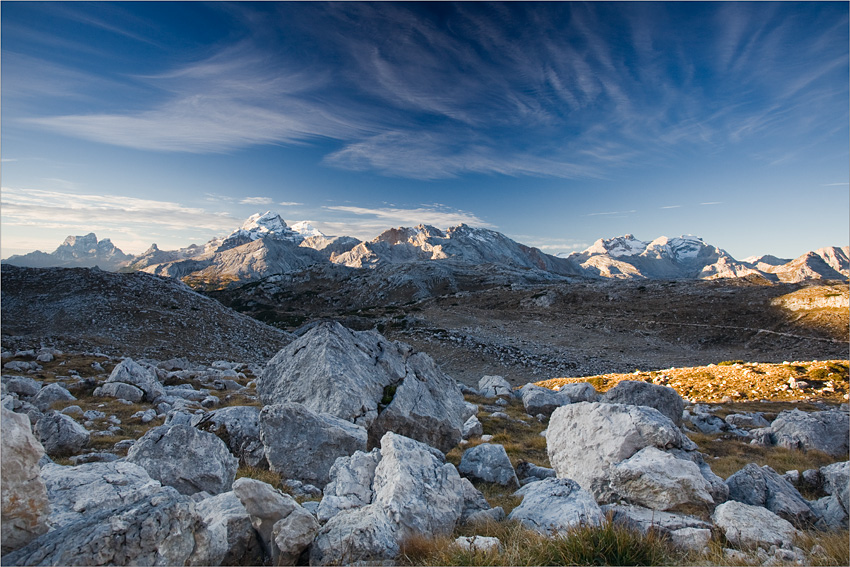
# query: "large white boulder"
187,459
585,440
350,484
633,392
827,431
752,526
233,539
25,507
303,445
130,372
414,492
555,505
60,434
494,386
239,428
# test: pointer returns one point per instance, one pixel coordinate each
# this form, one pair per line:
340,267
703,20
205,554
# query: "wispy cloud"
290,204
567,90
712,203
672,207
256,201
109,214
611,213
835,184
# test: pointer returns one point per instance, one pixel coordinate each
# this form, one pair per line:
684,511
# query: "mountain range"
265,245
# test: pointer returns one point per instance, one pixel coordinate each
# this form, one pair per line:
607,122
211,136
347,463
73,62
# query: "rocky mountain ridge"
265,245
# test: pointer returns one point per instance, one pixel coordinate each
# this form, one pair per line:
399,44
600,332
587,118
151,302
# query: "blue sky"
554,123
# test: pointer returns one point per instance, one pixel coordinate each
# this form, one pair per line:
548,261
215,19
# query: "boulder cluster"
358,427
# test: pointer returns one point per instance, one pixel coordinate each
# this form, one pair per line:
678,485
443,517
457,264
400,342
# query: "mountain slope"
136,315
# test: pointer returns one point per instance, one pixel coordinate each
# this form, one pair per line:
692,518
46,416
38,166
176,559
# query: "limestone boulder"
579,392
494,386
23,386
160,530
303,445
658,480
750,420
350,484
836,482
292,535
130,372
60,434
25,506
539,400
585,440
239,428
646,520
762,486
489,463
121,391
360,376
555,505
265,505
827,431
529,472
633,392
79,491
472,427
49,394
750,526
187,459
415,492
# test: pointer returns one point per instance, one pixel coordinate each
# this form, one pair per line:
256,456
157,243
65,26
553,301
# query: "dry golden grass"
738,381
264,475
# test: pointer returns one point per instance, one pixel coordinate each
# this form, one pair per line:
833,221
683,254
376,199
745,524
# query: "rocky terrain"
137,314
347,446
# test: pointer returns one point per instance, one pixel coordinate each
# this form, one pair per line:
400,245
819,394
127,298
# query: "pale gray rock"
303,445
579,392
718,488
479,543
156,531
663,398
332,369
265,505
469,411
752,526
120,390
494,386
292,535
187,459
21,385
350,484
830,514
49,394
239,428
691,539
555,505
539,400
706,423
827,431
489,463
60,434
25,506
73,410
762,486
473,501
836,481
21,366
646,519
472,427
78,491
415,493
747,420
529,472
658,480
427,406
97,457
496,514
130,372
584,440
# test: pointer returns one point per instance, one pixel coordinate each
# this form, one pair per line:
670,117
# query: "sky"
555,123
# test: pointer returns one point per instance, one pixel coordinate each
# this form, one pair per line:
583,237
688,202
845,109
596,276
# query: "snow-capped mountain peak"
307,230
261,225
626,245
683,248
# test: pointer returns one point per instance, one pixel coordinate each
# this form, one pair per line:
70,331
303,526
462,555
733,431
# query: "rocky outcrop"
156,531
78,492
489,463
586,440
130,372
827,431
361,377
239,428
539,400
350,484
303,445
493,386
632,392
60,434
555,505
25,507
752,526
579,392
233,539
49,394
187,459
414,492
762,486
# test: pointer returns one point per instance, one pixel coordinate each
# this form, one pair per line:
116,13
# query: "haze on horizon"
554,123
